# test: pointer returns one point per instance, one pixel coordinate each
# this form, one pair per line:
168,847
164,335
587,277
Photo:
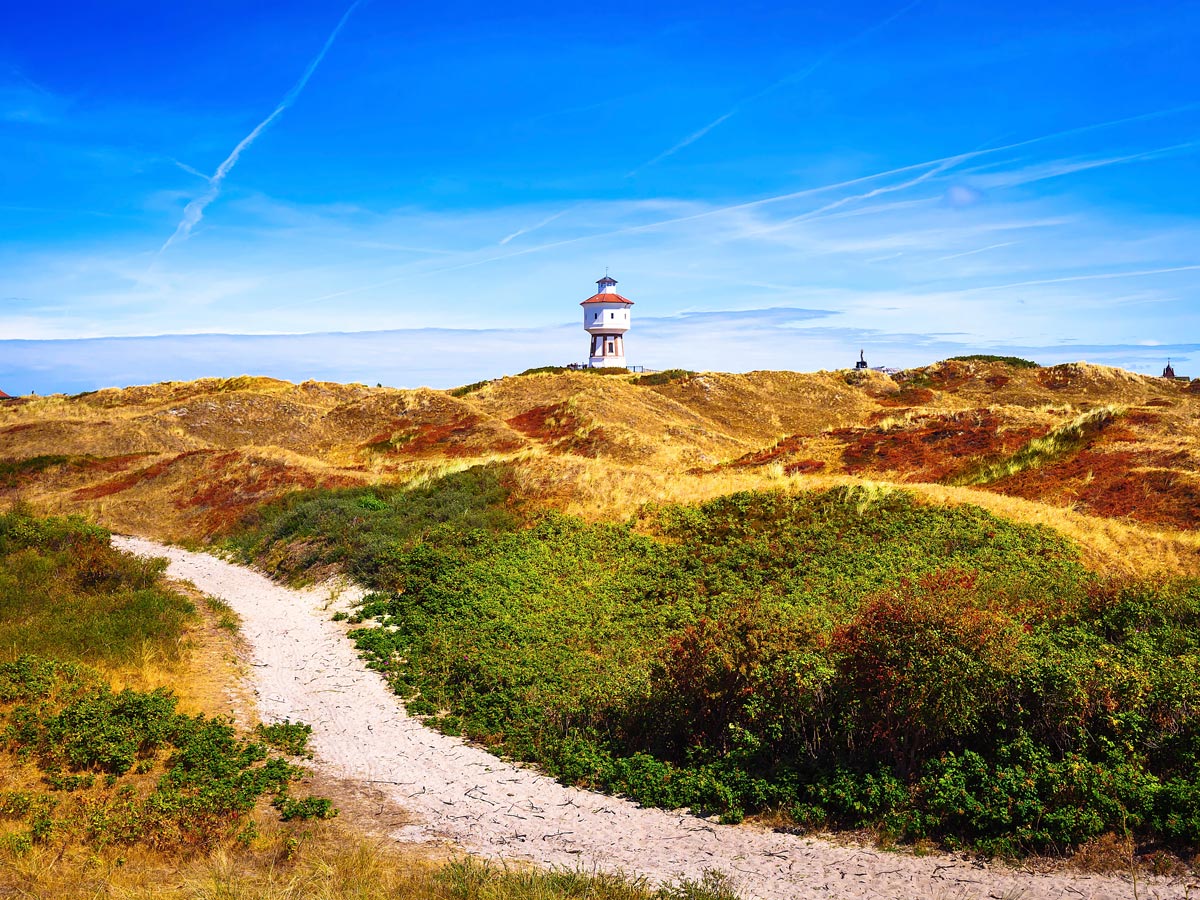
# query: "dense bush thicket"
854,659
1015,361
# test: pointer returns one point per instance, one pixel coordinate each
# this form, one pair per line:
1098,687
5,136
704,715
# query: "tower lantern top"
606,292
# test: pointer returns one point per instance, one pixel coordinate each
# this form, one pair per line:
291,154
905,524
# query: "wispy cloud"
790,79
1090,276
194,211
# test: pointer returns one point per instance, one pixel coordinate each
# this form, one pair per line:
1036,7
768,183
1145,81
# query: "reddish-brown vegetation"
932,448
448,438
785,447
546,423
559,427
804,467
908,397
1146,485
1055,378
232,485
1141,417
112,463
133,479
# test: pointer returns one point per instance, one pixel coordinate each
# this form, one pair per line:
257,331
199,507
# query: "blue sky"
428,192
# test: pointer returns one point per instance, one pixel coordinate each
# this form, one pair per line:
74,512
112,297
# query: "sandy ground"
303,668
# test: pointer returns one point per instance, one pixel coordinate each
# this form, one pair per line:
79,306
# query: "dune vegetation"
851,658
955,604
110,790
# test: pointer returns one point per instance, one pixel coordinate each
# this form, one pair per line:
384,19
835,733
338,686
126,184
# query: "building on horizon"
606,319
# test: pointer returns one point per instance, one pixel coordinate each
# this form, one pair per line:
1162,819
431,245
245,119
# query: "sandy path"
305,669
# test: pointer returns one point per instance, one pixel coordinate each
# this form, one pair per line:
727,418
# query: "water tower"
606,319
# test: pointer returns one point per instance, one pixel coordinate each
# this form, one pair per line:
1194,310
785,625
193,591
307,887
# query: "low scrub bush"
169,779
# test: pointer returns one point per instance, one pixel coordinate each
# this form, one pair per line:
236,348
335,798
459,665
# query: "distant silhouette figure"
862,360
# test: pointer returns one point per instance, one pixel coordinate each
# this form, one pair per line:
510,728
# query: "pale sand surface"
304,668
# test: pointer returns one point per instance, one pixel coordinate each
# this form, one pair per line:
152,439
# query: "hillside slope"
187,460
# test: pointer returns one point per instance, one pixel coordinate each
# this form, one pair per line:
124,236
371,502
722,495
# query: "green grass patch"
664,377
1015,361
66,593
366,531
473,879
1060,443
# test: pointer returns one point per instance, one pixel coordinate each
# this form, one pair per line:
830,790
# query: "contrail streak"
976,250
794,78
546,221
194,211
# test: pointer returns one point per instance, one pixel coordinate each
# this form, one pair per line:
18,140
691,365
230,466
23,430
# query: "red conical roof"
607,298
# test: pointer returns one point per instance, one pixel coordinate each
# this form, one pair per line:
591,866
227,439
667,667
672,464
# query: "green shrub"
71,725
287,736
1015,361
664,377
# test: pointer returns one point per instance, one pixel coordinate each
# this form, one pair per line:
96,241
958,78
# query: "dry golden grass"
326,860
595,446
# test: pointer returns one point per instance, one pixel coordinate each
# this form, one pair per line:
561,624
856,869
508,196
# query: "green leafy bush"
287,736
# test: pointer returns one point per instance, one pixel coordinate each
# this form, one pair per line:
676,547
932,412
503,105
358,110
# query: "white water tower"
606,319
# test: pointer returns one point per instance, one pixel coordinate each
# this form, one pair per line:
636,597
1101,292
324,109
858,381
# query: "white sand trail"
304,668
